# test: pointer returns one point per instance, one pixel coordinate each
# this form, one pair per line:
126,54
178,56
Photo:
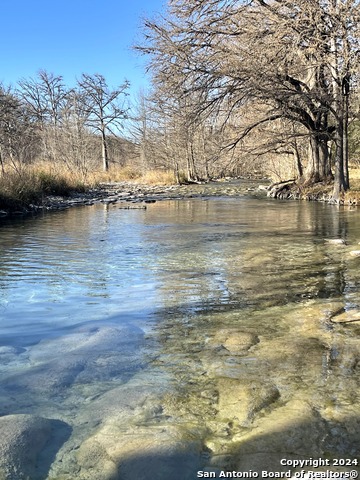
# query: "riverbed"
204,334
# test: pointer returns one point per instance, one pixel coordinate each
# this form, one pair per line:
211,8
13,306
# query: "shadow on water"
60,433
295,439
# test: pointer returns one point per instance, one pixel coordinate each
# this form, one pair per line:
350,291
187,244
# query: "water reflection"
204,325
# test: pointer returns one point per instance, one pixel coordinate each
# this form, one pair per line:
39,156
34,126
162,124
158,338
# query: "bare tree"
18,139
105,108
44,97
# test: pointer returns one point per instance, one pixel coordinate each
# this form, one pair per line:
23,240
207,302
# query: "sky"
71,37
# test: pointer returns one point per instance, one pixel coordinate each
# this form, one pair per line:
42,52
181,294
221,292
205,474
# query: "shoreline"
290,190
131,195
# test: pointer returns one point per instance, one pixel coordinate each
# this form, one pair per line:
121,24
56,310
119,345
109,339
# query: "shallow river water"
190,338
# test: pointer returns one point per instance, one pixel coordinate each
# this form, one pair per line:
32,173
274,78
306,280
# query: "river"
196,335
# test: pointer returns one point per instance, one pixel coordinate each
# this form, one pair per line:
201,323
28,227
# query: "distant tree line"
42,119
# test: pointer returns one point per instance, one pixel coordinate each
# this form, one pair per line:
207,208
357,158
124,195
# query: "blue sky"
71,37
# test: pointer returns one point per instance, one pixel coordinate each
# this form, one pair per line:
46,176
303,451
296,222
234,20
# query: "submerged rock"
347,317
235,342
10,350
293,430
22,437
335,241
85,355
157,452
239,401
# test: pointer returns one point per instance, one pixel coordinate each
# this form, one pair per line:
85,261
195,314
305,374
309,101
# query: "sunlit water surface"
193,335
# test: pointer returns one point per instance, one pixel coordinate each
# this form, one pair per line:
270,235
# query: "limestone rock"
293,427
347,317
239,402
156,452
87,354
235,342
238,342
335,241
22,437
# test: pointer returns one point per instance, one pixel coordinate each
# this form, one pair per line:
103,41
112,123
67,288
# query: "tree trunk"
104,150
176,172
2,162
312,170
192,175
339,180
299,166
324,160
143,159
346,142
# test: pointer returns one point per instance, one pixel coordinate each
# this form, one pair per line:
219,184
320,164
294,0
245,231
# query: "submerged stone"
235,342
239,401
347,317
294,430
22,437
88,354
335,241
153,452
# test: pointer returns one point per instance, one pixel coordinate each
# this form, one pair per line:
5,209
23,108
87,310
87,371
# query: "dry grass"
22,185
158,177
352,197
25,185
131,174
354,174
320,190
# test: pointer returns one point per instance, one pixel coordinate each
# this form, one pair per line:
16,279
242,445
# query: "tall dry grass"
27,185
22,185
354,175
133,175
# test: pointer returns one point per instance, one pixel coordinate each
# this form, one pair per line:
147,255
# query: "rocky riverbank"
290,190
130,195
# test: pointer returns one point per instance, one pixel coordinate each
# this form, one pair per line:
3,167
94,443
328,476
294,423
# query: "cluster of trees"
42,119
240,79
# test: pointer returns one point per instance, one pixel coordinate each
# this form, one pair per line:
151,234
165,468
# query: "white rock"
336,241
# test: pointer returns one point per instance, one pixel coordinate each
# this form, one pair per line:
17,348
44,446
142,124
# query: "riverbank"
133,195
319,192
136,195
30,189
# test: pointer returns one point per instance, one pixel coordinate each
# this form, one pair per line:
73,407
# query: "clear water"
200,329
